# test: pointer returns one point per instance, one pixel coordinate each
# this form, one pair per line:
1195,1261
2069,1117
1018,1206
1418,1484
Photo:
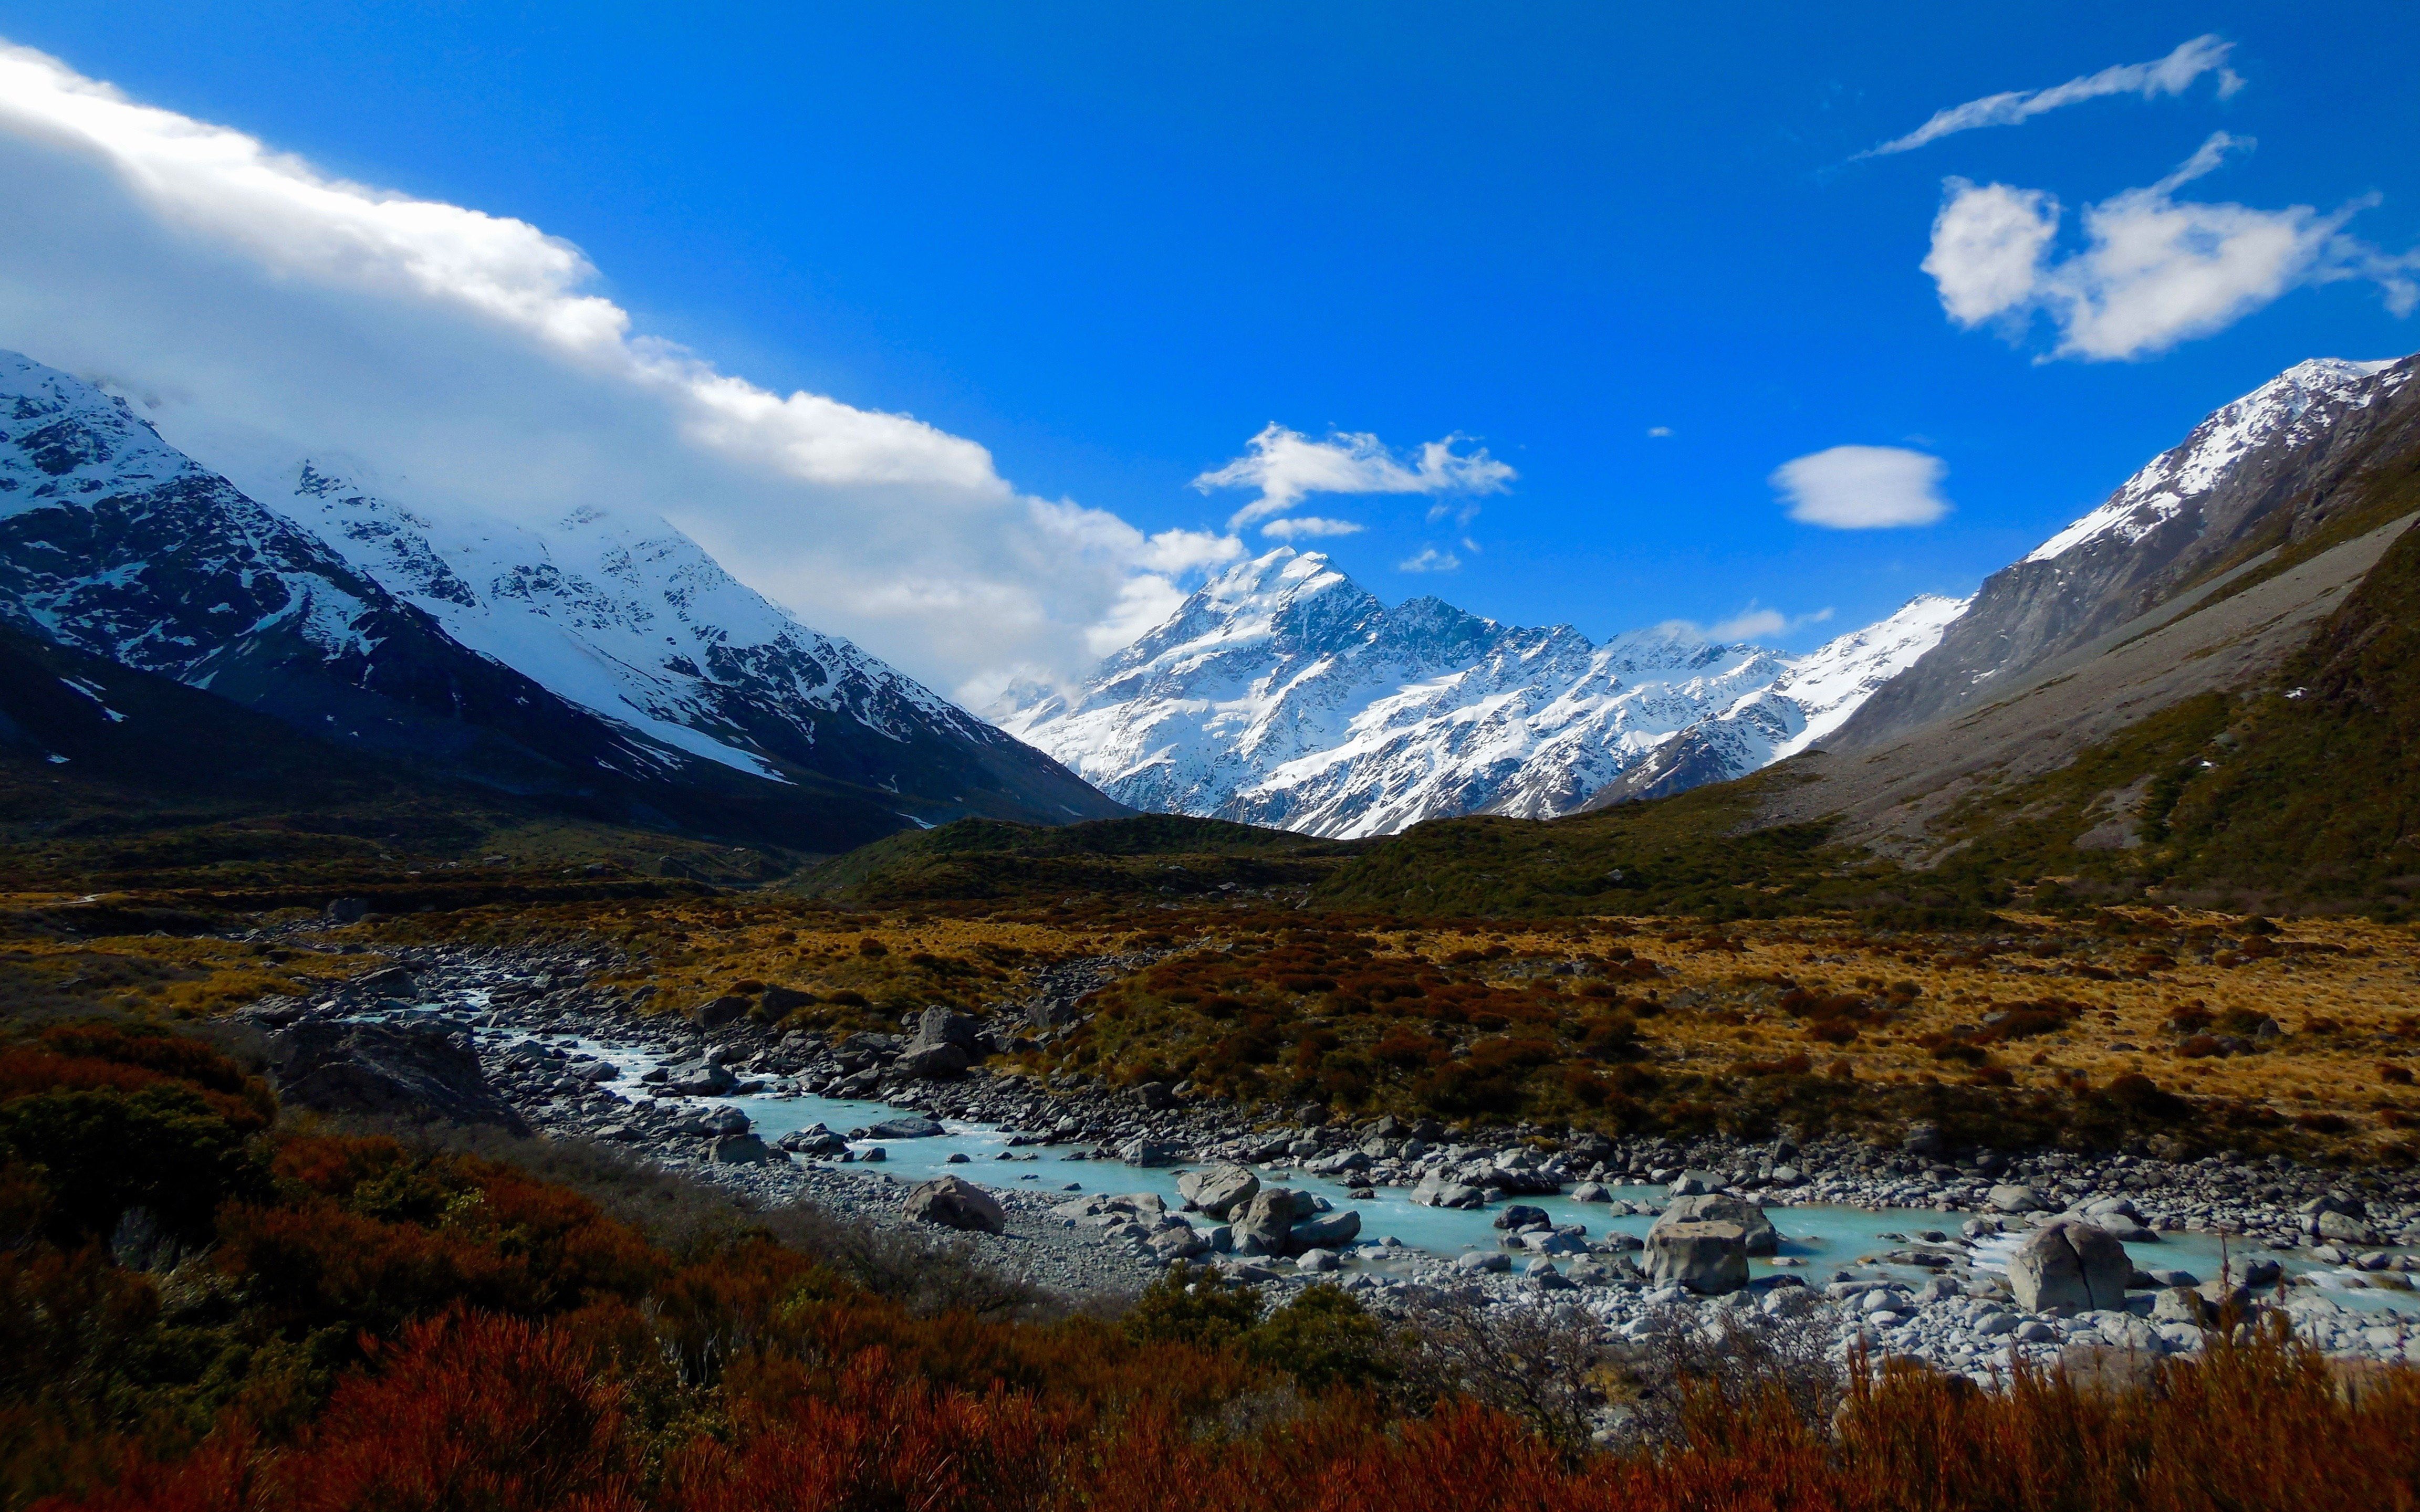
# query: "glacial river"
1816,1239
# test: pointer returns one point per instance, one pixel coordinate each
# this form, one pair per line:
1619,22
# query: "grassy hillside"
1141,856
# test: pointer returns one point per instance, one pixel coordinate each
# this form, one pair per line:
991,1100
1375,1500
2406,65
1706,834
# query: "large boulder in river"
1721,1207
1267,1221
1707,1256
956,1204
1219,1190
1438,1190
2069,1263
422,1074
1328,1231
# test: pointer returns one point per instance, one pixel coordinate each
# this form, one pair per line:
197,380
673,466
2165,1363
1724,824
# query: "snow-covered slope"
633,620
1283,693
1802,707
2254,475
2287,413
531,660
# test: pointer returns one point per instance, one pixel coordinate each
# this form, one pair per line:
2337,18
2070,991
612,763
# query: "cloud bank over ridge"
260,310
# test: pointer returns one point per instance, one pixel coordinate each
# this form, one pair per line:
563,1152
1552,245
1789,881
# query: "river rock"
956,1204
912,1126
941,1026
1707,1256
740,1149
1438,1190
817,1142
2007,1198
1178,1241
1267,1221
2069,1263
1218,1190
1329,1230
1149,1153
422,1073
1695,1184
2342,1228
1718,1207
717,1011
698,1079
935,1063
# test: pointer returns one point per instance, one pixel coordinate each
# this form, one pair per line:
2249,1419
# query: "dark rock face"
2265,471
421,1074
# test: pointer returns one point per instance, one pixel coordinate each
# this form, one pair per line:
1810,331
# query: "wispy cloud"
1303,526
1757,622
1430,560
1288,467
2155,270
2171,75
1863,487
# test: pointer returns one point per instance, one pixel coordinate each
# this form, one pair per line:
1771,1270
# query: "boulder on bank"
740,1149
717,1011
1720,1207
955,1204
935,1063
1218,1190
2009,1198
2069,1263
422,1073
1709,1256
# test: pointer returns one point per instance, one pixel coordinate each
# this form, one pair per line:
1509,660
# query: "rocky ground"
468,1014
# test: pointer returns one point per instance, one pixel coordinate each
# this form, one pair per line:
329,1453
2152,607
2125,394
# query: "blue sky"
1111,244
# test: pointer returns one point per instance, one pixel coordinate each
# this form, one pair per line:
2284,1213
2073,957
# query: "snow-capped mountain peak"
1282,692
2301,402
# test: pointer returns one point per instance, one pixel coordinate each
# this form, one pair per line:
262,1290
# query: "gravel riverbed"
567,1057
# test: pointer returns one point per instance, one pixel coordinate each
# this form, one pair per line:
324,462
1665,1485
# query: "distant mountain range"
609,664
1283,693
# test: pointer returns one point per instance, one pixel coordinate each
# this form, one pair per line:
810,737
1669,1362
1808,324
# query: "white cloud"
1430,560
1659,430
2171,75
1301,526
1987,248
1287,467
2155,270
1757,622
1863,487
271,311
